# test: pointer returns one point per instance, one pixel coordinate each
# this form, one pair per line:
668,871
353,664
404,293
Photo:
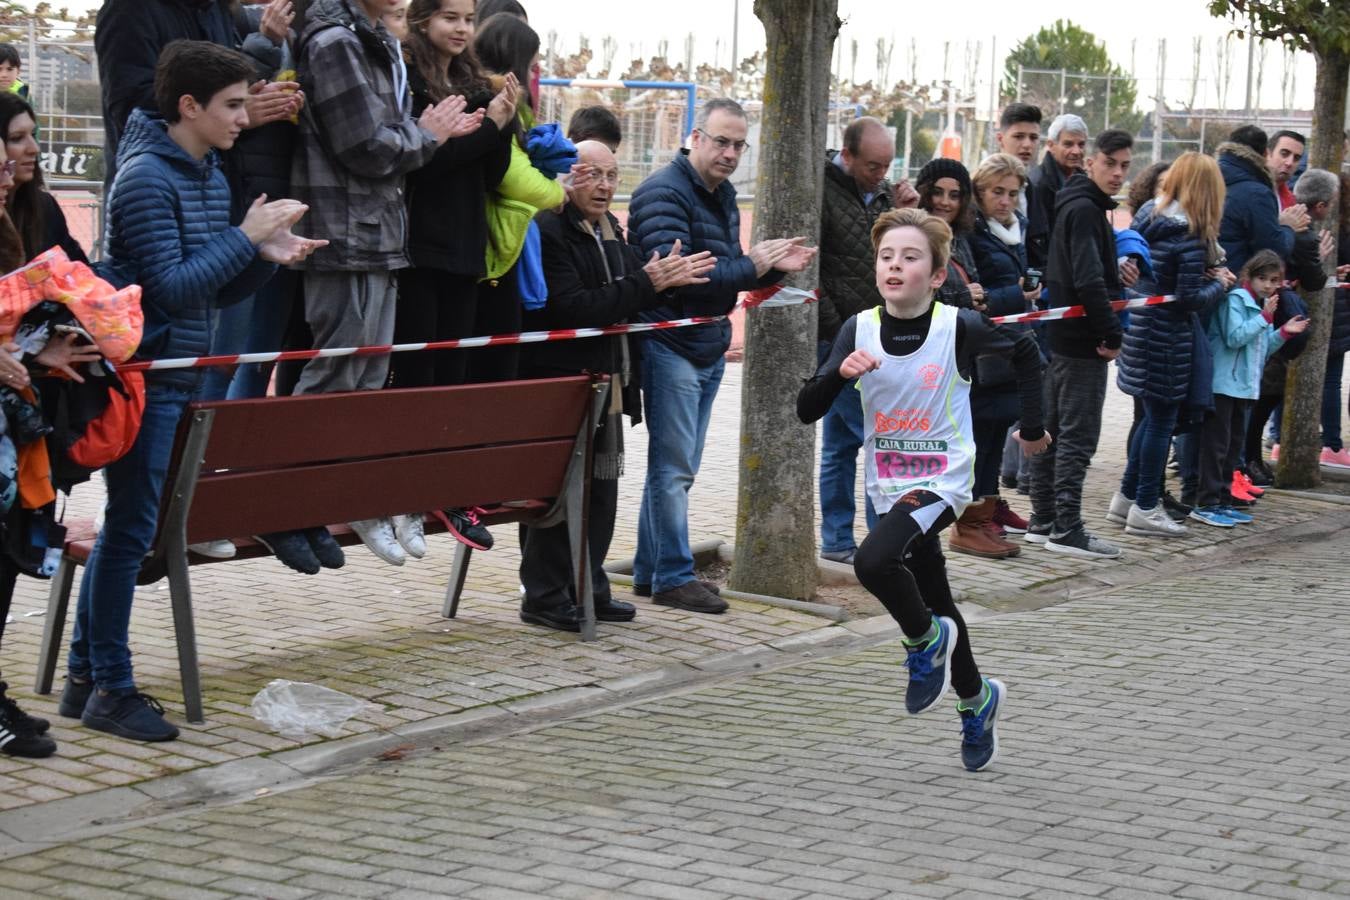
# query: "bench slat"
287,431
240,503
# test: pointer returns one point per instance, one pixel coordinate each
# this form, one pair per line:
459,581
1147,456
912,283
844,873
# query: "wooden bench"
521,450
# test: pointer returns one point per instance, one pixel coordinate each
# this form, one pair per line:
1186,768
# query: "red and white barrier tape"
770,297
766,298
1076,312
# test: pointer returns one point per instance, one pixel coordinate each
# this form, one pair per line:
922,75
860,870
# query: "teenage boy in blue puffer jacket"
169,231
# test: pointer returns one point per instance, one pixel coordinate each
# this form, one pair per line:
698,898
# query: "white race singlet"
916,413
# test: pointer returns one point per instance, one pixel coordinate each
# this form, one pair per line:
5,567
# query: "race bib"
906,464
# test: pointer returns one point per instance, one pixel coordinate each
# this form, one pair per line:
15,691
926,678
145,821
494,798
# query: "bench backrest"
282,463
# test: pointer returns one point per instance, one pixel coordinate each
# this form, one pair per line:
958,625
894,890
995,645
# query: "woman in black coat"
1157,362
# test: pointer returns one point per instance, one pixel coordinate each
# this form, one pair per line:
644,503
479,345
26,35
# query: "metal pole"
993,81
1158,101
41,101
1251,65
909,138
1019,82
735,42
1108,100
1063,89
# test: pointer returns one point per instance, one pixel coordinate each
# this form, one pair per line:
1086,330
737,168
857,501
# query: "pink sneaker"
1335,459
1275,453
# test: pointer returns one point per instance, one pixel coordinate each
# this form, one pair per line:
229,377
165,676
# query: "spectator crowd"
342,173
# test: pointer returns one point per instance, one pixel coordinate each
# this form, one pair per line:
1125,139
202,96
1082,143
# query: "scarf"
1008,234
608,463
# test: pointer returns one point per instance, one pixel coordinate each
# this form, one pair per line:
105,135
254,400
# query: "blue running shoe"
1212,515
929,672
1237,515
979,728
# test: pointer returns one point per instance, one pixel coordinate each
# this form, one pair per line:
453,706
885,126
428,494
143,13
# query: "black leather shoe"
611,610
559,618
692,596
1259,472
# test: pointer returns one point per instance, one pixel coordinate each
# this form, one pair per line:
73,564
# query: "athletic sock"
975,703
929,636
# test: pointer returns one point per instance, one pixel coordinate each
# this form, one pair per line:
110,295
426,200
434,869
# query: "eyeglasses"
724,144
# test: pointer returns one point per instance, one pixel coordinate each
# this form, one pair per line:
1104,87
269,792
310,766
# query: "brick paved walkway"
374,631
1180,737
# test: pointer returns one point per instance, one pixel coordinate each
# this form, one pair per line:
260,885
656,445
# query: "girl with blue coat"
1241,335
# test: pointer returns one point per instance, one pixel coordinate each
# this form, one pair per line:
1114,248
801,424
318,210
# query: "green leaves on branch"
1321,26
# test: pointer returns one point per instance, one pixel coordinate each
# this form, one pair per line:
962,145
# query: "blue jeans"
1331,402
1143,477
678,398
841,437
253,325
98,645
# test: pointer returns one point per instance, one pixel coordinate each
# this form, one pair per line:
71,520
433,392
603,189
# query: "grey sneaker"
221,549
1119,510
411,535
378,536
1037,532
1082,543
1153,523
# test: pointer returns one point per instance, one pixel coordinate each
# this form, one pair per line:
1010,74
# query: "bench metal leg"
180,596
53,629
577,530
459,571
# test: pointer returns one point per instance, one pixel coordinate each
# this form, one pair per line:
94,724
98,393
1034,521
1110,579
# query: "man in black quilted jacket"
856,192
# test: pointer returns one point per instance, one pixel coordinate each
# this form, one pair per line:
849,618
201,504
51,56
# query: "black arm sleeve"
983,338
818,393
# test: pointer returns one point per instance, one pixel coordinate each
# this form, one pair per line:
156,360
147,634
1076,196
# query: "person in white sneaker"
1156,362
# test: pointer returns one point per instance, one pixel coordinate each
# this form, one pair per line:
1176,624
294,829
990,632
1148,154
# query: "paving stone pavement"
1180,737
375,632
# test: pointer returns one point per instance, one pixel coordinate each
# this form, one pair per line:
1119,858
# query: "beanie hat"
945,168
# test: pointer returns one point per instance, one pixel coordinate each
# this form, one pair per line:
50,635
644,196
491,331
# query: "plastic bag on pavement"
296,709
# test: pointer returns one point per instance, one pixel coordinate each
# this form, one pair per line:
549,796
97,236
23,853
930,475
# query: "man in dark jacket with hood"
692,201
594,279
856,192
1081,271
1252,218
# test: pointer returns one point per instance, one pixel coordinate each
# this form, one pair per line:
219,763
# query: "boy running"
913,359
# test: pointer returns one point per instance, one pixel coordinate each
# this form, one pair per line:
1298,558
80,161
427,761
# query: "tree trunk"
775,509
1301,426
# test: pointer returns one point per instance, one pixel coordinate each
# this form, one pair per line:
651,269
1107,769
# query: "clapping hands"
268,226
673,270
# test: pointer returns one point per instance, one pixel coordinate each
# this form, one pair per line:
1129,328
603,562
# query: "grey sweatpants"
348,309
1075,390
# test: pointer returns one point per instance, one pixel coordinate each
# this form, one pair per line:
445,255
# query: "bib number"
896,466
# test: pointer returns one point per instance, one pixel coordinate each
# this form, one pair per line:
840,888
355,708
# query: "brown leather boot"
971,533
